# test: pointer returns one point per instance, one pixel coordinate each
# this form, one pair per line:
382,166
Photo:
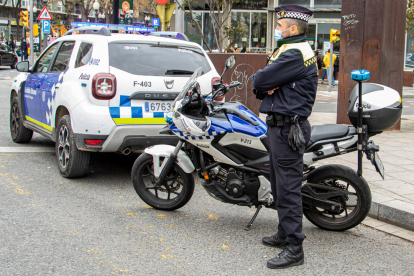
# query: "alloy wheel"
15,120
64,146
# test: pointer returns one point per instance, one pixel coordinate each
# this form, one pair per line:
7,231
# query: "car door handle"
57,85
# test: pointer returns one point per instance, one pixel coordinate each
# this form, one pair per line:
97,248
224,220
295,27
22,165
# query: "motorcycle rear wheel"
354,208
174,193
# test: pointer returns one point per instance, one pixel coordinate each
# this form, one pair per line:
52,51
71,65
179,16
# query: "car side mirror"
23,66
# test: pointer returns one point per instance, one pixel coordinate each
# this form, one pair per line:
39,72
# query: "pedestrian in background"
243,50
236,48
23,47
228,49
12,44
318,60
327,63
336,67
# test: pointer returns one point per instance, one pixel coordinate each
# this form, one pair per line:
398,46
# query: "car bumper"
135,138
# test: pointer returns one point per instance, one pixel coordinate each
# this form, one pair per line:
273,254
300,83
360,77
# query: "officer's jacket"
293,69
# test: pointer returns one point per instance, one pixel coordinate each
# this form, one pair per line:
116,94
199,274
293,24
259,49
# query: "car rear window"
157,60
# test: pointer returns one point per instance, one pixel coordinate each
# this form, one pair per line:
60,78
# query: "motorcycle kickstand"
253,218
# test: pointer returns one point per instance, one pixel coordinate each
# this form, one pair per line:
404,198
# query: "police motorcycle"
227,145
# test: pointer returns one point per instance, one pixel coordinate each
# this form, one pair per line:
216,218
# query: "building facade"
254,23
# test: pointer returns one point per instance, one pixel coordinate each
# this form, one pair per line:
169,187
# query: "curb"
389,213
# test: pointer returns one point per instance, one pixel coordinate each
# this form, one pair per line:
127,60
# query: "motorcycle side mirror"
230,62
23,66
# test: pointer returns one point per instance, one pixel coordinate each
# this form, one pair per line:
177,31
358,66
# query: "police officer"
287,87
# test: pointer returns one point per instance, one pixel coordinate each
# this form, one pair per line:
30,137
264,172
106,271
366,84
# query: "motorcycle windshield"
189,84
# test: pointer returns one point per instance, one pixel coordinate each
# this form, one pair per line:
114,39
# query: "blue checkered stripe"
133,109
187,136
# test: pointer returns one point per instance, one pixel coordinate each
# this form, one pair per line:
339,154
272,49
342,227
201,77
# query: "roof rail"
175,35
90,30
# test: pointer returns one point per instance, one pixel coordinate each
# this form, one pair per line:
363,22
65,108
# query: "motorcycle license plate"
158,106
378,165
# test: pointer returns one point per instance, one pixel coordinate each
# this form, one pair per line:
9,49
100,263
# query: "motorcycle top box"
382,107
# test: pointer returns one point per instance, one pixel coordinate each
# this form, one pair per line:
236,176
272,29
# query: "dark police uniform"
293,70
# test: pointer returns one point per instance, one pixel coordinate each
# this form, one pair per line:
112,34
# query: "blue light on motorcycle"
360,75
169,117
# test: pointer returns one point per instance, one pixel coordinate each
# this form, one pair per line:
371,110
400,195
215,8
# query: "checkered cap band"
293,15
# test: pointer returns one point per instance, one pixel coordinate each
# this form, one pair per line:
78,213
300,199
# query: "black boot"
275,241
292,255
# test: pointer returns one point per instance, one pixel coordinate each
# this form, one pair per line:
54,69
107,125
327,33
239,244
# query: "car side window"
84,54
63,56
44,61
3,47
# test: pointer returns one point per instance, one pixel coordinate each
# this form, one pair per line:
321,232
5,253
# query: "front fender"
165,151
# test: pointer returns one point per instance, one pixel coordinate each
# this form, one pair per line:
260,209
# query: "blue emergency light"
360,75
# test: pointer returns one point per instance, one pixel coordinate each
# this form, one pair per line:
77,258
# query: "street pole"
31,31
96,16
179,18
330,68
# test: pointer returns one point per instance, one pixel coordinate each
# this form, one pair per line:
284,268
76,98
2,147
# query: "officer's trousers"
286,174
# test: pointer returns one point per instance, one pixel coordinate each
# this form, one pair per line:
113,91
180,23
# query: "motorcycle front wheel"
174,193
354,206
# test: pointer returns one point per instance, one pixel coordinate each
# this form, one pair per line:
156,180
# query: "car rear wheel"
19,133
72,162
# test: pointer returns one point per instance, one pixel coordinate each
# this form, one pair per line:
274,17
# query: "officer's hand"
270,92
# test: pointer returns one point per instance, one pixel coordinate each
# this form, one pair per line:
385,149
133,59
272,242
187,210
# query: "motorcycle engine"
235,186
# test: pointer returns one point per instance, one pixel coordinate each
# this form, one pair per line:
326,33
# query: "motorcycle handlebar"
234,84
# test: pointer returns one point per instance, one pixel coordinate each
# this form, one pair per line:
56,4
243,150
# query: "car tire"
19,133
13,66
71,161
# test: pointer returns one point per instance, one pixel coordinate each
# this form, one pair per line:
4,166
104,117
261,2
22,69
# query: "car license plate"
378,165
158,106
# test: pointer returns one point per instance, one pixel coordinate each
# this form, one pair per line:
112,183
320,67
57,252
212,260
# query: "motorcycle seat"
329,132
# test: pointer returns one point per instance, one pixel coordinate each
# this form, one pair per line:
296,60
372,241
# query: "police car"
103,92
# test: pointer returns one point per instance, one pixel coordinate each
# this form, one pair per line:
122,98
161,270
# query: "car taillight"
215,84
92,142
104,86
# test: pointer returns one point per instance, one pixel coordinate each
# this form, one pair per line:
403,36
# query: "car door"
53,79
33,87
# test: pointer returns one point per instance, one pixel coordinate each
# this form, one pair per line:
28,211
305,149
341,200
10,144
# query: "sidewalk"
393,198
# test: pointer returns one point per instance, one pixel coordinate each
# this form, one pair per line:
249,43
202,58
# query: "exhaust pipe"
126,151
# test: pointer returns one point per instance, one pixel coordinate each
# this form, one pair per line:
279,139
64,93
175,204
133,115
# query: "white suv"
103,92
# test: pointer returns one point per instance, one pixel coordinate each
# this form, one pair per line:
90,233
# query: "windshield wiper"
178,72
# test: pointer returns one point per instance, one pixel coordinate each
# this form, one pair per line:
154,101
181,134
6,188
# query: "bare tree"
220,13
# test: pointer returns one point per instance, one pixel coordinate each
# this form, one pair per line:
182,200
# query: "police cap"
294,12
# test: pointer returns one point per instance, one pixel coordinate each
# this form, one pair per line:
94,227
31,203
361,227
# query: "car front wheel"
72,162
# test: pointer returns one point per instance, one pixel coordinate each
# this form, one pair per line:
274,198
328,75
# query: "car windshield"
189,84
156,59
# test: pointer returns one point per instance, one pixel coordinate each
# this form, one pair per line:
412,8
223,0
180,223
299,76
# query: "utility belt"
276,119
295,139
